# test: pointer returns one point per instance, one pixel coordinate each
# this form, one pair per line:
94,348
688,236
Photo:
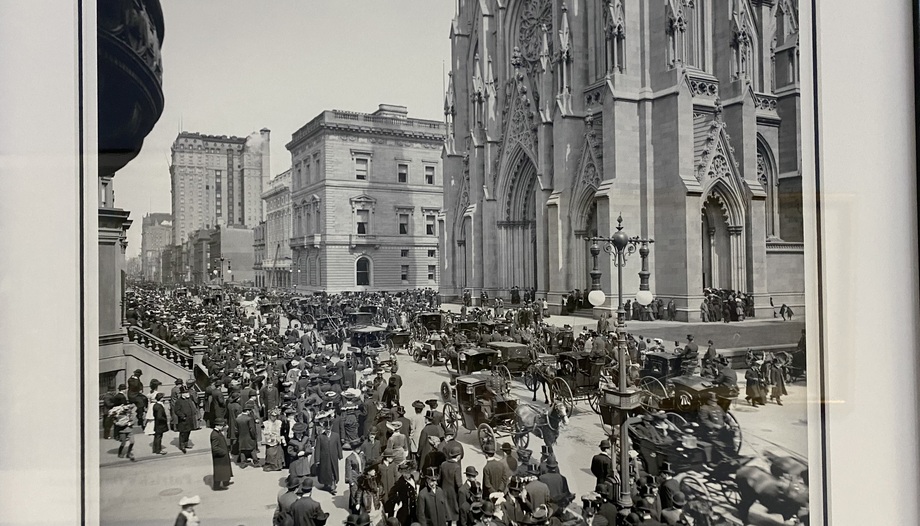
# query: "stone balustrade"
164,349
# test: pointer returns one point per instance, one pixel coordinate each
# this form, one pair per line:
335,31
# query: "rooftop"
387,118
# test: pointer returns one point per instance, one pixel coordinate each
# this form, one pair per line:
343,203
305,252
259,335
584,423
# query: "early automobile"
487,411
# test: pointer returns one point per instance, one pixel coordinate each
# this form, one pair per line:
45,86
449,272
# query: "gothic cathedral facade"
680,115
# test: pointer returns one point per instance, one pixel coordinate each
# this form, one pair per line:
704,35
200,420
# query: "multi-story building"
684,117
366,195
230,255
156,235
276,263
218,181
258,253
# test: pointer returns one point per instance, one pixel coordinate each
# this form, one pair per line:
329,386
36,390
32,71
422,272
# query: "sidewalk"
748,333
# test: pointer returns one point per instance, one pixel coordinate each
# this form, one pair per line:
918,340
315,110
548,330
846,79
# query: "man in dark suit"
160,424
220,456
432,502
306,511
558,485
496,474
136,395
286,499
403,495
187,414
247,435
602,464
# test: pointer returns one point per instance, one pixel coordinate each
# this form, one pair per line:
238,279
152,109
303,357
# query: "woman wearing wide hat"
187,516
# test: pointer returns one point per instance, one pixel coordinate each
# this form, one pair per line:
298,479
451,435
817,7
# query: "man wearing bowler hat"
432,502
601,463
558,485
220,457
286,499
468,494
495,474
306,511
451,478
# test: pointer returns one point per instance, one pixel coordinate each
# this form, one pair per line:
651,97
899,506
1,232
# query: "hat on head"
666,468
388,453
433,403
122,387
507,447
395,425
306,486
418,404
605,444
524,454
551,463
138,372
476,507
431,473
689,336
363,520
299,427
454,449
488,448
292,482
488,509
515,484
679,499
178,381
471,471
189,501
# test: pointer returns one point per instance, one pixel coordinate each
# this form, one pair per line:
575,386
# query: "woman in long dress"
754,388
151,399
271,438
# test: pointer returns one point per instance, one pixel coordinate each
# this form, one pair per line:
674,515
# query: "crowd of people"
278,399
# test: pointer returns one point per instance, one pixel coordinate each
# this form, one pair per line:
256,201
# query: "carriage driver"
713,420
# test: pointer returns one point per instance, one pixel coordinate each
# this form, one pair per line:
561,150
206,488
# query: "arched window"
363,272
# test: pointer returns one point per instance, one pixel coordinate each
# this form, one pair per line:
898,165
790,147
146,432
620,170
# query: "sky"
232,67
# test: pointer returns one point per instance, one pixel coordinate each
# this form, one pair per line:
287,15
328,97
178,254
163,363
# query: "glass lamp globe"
644,297
596,298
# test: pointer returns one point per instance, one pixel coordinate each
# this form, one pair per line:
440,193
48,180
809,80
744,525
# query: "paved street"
147,491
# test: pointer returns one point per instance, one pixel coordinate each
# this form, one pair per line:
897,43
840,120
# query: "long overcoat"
247,432
187,415
328,453
220,454
432,508
451,478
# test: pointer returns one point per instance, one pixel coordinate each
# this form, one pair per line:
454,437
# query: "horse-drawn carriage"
472,361
557,339
368,348
491,413
515,358
428,327
576,376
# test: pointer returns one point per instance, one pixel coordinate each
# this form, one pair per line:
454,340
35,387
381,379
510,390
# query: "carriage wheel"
653,392
417,354
736,431
676,419
729,490
520,435
563,392
431,359
693,488
369,363
504,375
451,417
529,381
445,392
392,346
594,400
423,334
486,436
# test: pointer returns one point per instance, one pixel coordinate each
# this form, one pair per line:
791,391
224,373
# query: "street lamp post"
620,246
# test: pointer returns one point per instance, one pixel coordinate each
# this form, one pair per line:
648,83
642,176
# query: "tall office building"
218,181
156,235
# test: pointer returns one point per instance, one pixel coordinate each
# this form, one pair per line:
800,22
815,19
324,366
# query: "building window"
363,222
404,272
404,224
363,272
402,173
432,253
429,226
429,175
431,272
361,166
404,253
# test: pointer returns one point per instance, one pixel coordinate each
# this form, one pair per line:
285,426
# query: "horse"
542,374
544,424
779,490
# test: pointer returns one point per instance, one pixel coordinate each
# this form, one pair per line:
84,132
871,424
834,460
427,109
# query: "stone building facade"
681,115
218,180
258,253
366,197
276,263
156,235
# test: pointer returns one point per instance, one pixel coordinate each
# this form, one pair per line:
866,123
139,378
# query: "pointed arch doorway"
723,248
518,233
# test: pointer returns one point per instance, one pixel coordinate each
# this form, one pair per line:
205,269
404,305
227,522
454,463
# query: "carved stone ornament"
535,15
761,170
